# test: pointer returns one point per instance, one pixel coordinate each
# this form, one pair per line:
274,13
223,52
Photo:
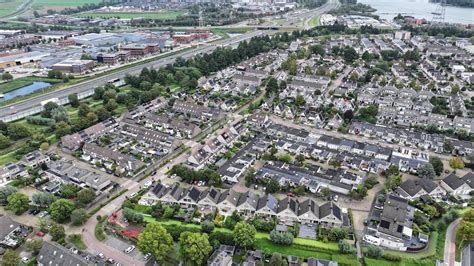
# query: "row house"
456,185
74,141
287,210
193,110
94,153
414,189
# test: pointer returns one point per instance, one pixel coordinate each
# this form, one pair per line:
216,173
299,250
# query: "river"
25,90
388,9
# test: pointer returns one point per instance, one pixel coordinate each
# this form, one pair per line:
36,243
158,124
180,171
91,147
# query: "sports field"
161,15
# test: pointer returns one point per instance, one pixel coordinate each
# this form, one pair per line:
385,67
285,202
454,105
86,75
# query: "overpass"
84,89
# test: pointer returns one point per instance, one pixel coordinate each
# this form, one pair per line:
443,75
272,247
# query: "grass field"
163,15
314,22
8,6
304,248
63,3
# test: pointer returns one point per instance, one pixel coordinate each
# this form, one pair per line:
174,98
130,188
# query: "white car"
133,194
129,249
25,259
101,255
148,184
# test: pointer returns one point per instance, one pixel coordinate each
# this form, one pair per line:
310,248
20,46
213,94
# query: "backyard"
304,248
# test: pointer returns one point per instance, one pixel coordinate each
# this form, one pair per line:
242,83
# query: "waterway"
25,90
388,9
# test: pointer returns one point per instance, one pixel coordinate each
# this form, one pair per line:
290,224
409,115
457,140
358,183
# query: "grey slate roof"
53,254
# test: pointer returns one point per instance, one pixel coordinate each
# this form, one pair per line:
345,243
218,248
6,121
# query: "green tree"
44,146
373,252
194,247
84,109
437,165
281,238
79,216
426,171
57,232
207,226
393,182
277,260
68,191
34,244
10,258
132,216
272,86
300,100
244,234
155,240
73,100
6,191
456,162
61,129
7,76
345,248
272,186
18,203
4,141
17,131
61,210
86,196
43,199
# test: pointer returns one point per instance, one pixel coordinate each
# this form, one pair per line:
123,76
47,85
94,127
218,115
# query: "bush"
345,248
281,238
373,252
262,225
223,238
176,230
207,226
132,216
391,257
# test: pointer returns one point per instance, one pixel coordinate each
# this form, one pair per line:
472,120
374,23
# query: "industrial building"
20,59
98,39
73,66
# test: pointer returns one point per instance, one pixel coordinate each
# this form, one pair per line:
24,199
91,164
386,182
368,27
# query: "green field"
162,15
314,22
63,3
8,6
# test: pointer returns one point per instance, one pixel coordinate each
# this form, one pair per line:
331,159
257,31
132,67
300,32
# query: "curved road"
450,243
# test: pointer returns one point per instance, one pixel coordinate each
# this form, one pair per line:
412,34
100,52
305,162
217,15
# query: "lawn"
77,241
63,4
8,6
313,22
22,82
301,247
162,15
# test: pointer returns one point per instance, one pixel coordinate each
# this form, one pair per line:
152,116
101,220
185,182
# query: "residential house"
456,185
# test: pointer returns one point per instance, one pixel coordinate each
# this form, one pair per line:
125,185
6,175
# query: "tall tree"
18,203
43,199
155,240
194,247
244,234
10,258
61,210
6,191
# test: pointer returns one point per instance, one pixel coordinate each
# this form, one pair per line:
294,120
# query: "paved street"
450,243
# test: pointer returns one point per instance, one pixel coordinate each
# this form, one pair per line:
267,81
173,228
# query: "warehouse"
20,59
73,66
98,39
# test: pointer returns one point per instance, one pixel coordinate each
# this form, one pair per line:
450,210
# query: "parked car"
148,184
43,214
101,255
147,256
335,198
40,234
290,194
129,249
110,260
133,195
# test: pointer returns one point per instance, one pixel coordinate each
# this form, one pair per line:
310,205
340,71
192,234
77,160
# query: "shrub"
281,238
391,257
345,248
373,252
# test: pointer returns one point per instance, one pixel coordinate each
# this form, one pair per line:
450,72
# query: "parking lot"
121,245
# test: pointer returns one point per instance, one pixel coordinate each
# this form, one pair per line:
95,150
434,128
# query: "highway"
33,105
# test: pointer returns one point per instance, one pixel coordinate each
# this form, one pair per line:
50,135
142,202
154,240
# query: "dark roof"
194,193
56,255
7,225
453,181
159,190
318,262
410,187
330,208
469,179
